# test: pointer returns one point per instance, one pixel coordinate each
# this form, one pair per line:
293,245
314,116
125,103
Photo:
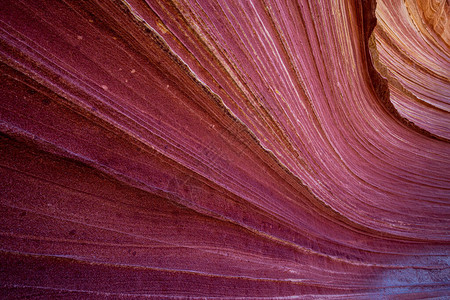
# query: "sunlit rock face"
224,149
412,39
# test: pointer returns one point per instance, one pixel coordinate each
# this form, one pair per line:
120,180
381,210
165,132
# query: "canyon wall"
231,149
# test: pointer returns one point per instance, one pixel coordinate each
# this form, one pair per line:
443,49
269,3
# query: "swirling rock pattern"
413,55
224,149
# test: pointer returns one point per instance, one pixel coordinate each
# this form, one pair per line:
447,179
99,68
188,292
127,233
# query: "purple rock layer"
230,149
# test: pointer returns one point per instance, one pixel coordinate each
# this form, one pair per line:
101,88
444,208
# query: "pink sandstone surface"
225,149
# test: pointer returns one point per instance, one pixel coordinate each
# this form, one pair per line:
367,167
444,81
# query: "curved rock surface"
232,149
412,39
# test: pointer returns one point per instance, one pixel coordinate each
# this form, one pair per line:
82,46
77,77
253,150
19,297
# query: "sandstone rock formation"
231,149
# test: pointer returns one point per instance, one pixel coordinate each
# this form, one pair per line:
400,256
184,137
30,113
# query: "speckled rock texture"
224,149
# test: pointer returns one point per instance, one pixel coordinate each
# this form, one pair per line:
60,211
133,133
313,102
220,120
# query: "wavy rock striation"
224,149
412,40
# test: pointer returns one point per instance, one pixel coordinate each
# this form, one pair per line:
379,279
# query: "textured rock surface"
413,45
224,149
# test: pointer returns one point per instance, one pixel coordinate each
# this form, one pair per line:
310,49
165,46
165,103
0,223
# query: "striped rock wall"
224,149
